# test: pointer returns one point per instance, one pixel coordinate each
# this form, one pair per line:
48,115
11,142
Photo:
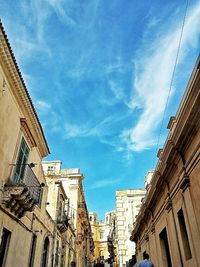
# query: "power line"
172,78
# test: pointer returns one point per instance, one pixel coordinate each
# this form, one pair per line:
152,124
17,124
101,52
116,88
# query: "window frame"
165,248
101,234
184,234
21,161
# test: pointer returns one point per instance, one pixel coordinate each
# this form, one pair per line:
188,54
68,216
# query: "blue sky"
99,73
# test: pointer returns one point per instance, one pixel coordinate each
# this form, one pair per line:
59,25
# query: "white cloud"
73,130
42,105
117,66
104,183
116,90
153,72
29,36
102,129
63,11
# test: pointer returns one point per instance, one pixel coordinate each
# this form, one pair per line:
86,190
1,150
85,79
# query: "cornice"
27,132
20,91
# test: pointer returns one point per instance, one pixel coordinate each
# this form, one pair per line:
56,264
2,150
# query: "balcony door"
21,162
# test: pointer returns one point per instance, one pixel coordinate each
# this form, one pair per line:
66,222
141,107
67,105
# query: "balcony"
22,191
63,223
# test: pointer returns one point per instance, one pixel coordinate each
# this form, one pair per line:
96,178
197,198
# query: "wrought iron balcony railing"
22,190
63,223
23,175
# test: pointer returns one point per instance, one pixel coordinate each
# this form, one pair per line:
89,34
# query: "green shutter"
21,162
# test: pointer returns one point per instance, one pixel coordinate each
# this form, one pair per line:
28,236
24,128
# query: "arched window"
101,256
90,218
45,253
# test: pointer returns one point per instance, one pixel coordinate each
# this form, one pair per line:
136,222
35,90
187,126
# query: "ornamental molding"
18,200
18,88
184,183
168,206
153,228
27,133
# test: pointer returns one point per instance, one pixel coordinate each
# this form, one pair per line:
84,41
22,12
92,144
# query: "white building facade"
128,204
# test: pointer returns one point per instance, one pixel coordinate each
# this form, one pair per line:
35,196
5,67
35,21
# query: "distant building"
63,217
128,203
100,232
168,224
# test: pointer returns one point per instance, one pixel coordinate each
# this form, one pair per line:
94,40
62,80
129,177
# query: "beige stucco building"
100,232
25,227
63,217
71,180
128,204
168,225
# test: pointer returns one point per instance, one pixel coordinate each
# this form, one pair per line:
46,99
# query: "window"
101,256
21,162
5,239
45,253
57,253
107,219
90,218
50,169
165,249
101,234
33,246
184,235
40,197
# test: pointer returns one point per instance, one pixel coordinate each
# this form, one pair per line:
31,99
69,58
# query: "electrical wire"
172,78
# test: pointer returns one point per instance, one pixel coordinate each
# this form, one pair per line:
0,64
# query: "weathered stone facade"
168,225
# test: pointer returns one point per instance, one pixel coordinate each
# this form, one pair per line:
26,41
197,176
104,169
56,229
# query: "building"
63,217
71,180
168,225
112,239
128,204
25,227
100,232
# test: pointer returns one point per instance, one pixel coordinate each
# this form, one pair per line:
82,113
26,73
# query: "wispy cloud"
29,37
61,10
104,183
42,105
75,130
116,90
153,72
117,66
